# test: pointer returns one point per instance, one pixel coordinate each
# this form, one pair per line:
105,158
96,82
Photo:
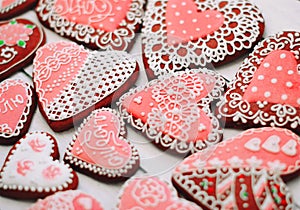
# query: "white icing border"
12,6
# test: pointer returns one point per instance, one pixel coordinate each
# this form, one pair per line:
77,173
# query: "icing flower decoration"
15,33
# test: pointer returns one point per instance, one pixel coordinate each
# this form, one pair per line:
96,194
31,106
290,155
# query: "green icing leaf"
13,22
2,42
245,194
30,26
21,43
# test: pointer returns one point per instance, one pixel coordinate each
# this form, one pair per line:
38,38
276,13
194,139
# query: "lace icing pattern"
261,113
247,21
12,6
119,39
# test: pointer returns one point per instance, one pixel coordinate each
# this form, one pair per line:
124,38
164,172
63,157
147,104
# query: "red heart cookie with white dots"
151,193
71,81
19,40
104,25
71,199
266,89
275,149
12,8
174,110
100,149
234,188
32,170
181,34
17,105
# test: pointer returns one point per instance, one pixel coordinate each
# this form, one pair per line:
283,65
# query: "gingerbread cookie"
71,199
275,149
151,193
17,105
174,110
103,24
19,40
189,33
71,82
12,8
234,188
32,170
265,90
100,149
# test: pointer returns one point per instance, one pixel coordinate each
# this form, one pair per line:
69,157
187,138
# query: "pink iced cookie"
266,89
17,105
32,170
275,149
100,149
188,33
12,8
71,199
151,193
102,24
71,81
174,110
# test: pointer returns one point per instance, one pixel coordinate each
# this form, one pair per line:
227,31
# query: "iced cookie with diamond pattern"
275,149
17,105
234,188
181,34
174,110
266,88
12,8
71,81
100,150
151,193
71,199
102,24
32,169
19,40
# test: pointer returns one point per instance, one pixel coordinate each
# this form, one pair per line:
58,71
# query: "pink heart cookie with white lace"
189,33
32,170
275,149
12,8
266,90
104,25
71,199
100,149
151,193
19,40
174,110
71,82
17,105
234,188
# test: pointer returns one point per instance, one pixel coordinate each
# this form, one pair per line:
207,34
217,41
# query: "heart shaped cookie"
265,91
181,34
17,105
104,25
70,81
174,110
234,188
275,149
19,40
32,170
12,8
71,199
150,193
100,149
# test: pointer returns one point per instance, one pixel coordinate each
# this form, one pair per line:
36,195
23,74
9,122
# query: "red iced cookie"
17,105
174,110
71,82
32,170
239,188
275,149
12,8
151,193
180,34
19,40
100,149
104,25
266,88
71,199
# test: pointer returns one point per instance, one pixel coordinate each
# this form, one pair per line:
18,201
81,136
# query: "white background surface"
279,15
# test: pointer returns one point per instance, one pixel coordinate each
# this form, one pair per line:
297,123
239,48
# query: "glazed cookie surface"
12,8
